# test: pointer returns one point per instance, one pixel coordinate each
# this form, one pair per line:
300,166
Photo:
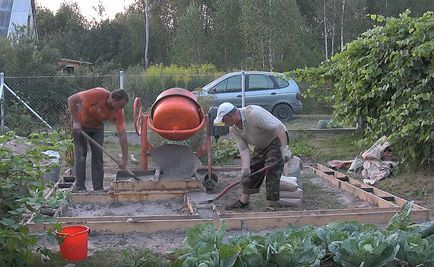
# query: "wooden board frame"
186,185
386,206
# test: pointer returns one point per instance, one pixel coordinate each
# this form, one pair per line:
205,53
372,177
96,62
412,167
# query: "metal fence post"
243,89
121,79
2,111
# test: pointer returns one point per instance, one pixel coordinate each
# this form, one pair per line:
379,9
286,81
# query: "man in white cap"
253,125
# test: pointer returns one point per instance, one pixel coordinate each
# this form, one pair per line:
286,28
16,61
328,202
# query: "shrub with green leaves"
384,81
22,167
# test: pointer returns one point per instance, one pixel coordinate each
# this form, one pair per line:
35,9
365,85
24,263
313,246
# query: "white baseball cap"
222,110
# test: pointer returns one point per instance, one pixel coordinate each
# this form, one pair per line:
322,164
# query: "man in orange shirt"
89,109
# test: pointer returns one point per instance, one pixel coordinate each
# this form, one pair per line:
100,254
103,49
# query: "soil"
118,208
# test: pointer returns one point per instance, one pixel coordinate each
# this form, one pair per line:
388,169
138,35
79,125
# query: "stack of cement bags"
291,193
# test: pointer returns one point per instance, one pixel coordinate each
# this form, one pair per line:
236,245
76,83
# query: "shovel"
108,154
264,169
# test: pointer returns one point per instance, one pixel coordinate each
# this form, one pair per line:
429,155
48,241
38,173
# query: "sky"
88,7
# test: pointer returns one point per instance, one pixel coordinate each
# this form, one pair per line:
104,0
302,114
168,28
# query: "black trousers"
80,143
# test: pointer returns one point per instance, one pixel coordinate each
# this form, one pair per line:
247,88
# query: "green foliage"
252,250
189,39
300,148
415,250
150,83
367,249
21,191
384,80
224,151
142,258
293,247
203,245
349,243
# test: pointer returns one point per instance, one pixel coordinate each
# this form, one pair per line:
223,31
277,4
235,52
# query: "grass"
127,257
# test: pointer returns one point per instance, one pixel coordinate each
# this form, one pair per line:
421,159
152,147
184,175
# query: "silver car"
269,90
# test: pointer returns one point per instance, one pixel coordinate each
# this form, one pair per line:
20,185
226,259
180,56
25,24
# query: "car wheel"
283,112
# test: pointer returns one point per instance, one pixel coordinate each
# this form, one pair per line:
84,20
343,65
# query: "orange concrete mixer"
175,115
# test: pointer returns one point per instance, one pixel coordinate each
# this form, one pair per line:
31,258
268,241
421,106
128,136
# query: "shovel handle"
264,169
108,154
99,146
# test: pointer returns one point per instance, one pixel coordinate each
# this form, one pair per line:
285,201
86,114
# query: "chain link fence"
36,103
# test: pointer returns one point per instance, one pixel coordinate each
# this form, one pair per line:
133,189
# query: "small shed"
70,65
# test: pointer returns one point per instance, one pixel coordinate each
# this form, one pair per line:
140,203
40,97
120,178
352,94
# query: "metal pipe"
2,110
243,89
121,79
28,107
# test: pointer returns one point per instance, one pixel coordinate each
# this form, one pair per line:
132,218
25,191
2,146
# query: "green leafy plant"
224,151
366,249
142,258
383,82
293,247
414,250
251,250
21,191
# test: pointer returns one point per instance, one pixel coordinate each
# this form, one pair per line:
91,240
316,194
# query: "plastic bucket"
73,242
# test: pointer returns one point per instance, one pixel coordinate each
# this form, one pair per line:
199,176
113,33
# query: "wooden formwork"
386,205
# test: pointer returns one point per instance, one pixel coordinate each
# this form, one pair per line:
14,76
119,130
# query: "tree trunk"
333,30
342,24
146,12
325,32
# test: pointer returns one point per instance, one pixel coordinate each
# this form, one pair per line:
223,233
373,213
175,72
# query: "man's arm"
123,141
284,148
281,134
73,102
244,154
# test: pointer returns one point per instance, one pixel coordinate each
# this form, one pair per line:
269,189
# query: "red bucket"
73,244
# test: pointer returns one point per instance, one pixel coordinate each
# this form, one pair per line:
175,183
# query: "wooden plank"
360,193
156,185
125,196
398,201
146,225
226,215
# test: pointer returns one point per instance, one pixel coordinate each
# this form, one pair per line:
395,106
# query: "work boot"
237,205
79,189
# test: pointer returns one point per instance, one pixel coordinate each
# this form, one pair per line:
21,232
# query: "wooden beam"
357,191
126,196
156,185
378,192
151,224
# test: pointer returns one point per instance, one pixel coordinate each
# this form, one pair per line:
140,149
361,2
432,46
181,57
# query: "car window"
281,83
229,85
260,82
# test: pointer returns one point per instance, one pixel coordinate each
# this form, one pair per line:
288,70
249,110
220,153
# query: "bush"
21,192
384,81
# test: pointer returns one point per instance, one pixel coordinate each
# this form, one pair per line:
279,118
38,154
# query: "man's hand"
122,164
286,153
245,179
76,127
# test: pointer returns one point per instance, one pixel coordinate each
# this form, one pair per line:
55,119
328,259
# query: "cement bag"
288,183
376,150
292,167
290,202
296,194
